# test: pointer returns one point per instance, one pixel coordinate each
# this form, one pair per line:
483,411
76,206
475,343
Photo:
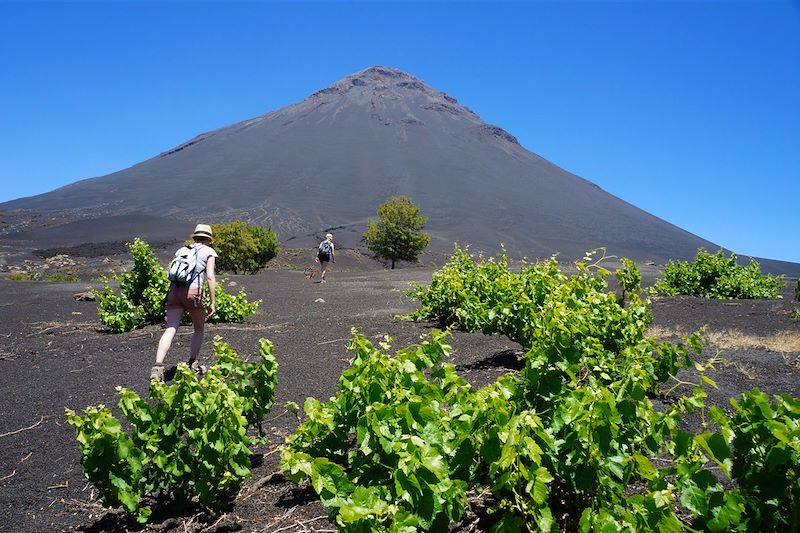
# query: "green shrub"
143,292
243,248
764,440
797,290
717,276
188,440
406,437
60,277
118,313
232,308
630,279
383,452
570,443
20,276
35,275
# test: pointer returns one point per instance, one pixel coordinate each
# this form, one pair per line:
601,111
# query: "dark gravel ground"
53,354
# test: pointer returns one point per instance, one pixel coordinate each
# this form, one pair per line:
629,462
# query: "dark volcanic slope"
330,160
107,229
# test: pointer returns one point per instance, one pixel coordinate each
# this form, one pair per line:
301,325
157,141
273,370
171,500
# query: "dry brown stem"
22,429
301,524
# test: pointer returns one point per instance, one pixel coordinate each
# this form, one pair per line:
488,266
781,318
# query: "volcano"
327,162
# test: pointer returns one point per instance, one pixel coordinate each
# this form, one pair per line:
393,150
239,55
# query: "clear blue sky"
688,110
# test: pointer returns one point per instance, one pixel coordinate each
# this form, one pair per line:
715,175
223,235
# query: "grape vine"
189,439
572,442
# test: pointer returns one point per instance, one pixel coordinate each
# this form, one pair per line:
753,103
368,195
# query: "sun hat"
203,230
329,237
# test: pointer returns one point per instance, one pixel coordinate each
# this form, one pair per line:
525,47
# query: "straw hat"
203,230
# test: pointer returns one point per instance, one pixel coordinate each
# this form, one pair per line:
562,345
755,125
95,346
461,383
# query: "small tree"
244,248
397,235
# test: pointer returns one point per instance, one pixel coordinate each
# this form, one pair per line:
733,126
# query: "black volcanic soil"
53,354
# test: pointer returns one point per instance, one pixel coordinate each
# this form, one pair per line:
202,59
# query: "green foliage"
763,454
189,439
35,275
572,442
717,276
581,415
244,248
383,454
630,279
232,308
397,235
487,296
797,290
117,313
60,277
143,292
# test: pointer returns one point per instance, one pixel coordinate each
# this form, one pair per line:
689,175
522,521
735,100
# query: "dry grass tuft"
794,363
785,341
748,371
733,339
663,333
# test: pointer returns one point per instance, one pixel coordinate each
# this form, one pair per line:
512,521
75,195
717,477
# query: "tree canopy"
244,248
397,235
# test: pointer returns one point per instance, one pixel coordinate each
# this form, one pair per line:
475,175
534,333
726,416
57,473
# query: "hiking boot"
197,368
157,373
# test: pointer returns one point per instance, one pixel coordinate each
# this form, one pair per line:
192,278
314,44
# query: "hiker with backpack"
326,253
189,271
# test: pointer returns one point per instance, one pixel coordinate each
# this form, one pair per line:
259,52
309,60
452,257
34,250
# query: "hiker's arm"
212,285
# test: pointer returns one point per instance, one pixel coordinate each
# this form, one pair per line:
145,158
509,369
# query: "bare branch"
23,429
298,523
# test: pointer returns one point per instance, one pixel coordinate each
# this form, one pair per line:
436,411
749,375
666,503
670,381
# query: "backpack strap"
196,273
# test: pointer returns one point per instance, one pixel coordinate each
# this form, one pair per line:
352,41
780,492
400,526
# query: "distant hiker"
192,266
326,253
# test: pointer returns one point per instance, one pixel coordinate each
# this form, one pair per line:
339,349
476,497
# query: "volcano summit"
327,162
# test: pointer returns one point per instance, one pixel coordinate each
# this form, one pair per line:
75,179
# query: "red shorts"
185,298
